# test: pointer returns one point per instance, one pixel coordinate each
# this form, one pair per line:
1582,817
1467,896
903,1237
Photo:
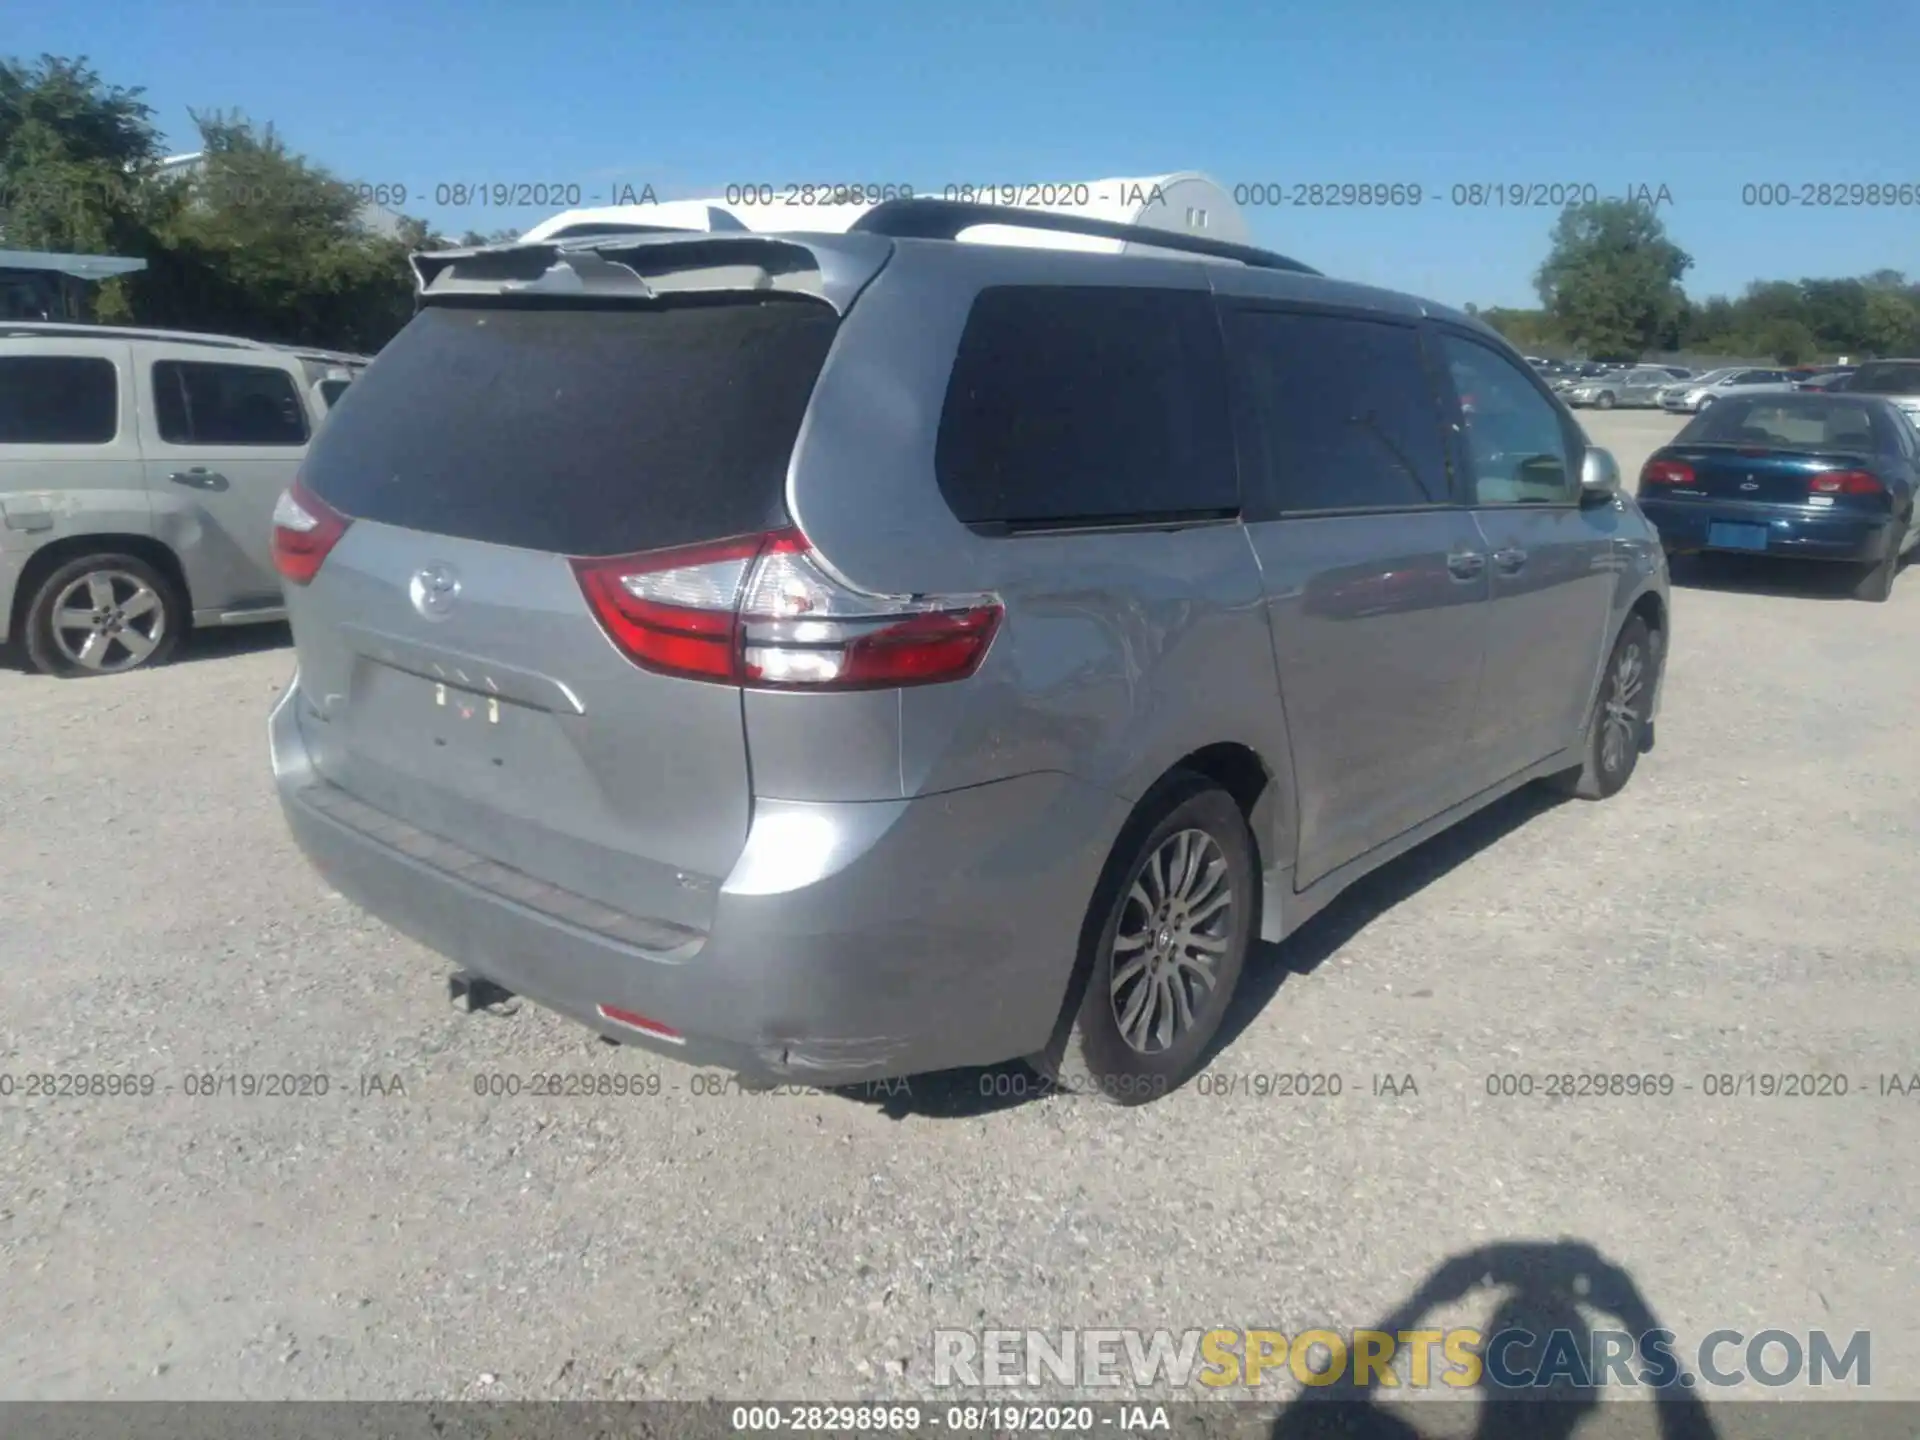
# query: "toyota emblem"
434,590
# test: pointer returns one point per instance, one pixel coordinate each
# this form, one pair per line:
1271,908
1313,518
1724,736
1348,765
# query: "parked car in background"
650,669
138,474
1706,390
1828,477
1825,379
1898,380
1578,371
1639,386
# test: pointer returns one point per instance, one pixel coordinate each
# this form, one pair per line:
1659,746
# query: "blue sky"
1701,98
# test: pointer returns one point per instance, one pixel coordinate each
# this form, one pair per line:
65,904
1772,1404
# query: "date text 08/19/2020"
1468,195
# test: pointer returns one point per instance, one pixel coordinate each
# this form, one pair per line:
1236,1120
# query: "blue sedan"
1827,477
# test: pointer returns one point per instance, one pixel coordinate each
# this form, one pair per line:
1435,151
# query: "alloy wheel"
108,620
1620,725
1176,923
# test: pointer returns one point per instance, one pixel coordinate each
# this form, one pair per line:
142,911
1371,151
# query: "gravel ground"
1749,904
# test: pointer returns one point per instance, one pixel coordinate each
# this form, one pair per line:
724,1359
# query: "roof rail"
926,219
80,330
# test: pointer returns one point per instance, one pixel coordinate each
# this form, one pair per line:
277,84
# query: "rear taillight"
761,611
1667,472
1846,482
305,530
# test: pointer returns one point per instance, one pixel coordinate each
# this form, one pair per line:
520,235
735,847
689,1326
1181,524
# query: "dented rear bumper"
851,942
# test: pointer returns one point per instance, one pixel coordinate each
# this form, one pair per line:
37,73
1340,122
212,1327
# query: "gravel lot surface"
1749,904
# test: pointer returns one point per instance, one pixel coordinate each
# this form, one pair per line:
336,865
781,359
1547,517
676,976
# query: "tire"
133,617
1604,400
1613,749
1127,1042
1876,580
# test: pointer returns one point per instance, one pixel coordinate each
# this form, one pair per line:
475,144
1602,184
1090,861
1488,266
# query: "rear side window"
579,431
198,403
1345,410
58,400
1073,405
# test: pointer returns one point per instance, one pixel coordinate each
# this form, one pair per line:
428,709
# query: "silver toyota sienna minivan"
835,657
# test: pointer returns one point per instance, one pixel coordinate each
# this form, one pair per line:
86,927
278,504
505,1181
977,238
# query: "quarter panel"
1120,653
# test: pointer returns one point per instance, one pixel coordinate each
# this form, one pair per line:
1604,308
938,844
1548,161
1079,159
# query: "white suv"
138,475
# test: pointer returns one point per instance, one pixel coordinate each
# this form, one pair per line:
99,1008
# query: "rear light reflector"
761,611
641,1023
1667,472
305,530
1846,482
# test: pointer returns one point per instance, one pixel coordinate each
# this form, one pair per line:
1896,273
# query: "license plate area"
447,734
1725,535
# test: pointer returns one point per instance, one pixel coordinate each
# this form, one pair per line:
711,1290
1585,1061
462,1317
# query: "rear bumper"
852,941
1792,530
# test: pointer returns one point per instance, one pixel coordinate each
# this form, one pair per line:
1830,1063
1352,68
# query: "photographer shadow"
1548,1284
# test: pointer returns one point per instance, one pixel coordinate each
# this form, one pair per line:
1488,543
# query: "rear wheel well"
1649,609
48,558
1235,768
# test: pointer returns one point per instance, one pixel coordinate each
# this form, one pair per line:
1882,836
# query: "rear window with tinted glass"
583,431
1078,405
1786,422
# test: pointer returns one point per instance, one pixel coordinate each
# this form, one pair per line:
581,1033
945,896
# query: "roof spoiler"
925,219
645,266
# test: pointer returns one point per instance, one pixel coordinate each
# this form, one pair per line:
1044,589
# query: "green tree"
1526,329
79,163
1788,341
1890,323
503,237
264,244
1611,282
77,157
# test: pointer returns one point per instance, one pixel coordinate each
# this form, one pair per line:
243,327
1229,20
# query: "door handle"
200,478
1510,559
1466,564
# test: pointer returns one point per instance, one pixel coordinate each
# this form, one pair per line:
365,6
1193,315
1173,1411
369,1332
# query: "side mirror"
1599,474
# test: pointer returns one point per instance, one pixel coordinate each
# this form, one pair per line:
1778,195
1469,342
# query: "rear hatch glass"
580,431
